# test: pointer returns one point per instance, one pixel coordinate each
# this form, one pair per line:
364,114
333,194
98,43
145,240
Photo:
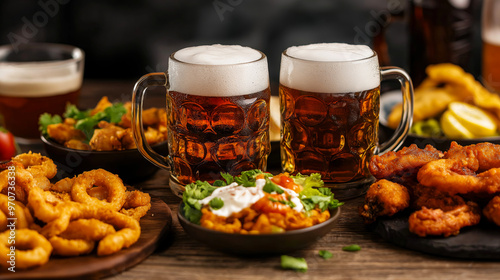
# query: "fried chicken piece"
456,176
430,197
486,154
384,198
492,210
427,221
77,145
101,105
404,163
106,138
63,132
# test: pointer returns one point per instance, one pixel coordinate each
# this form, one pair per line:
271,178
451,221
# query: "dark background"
128,38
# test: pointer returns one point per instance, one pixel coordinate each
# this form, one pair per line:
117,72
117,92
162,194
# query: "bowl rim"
334,216
48,141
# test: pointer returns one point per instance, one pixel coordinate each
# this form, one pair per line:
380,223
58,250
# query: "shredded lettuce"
313,180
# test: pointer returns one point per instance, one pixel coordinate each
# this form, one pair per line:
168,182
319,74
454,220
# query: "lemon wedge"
474,119
452,128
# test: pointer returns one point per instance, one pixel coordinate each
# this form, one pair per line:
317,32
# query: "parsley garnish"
352,248
298,264
216,203
271,187
325,254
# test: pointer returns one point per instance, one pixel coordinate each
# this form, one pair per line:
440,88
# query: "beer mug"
491,45
37,78
330,102
217,113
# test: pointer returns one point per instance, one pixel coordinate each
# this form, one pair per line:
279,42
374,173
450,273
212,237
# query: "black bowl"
258,244
390,99
129,164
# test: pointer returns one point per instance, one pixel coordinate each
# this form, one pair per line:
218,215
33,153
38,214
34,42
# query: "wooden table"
180,257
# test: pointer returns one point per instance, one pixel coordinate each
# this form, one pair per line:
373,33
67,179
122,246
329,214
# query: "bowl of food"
102,138
449,105
257,213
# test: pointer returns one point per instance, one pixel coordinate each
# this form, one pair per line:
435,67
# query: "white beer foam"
330,68
34,80
492,35
218,70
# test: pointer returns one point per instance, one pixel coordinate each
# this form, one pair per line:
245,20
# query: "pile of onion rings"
91,212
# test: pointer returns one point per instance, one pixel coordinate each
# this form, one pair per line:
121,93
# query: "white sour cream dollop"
237,197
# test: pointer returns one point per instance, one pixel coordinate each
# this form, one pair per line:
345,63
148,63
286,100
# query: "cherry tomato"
8,147
286,182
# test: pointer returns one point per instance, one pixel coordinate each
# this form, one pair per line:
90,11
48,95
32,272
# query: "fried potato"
446,83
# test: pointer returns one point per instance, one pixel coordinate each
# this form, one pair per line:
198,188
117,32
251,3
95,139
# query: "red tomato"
8,147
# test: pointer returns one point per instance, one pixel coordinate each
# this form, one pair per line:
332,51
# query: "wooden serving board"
154,225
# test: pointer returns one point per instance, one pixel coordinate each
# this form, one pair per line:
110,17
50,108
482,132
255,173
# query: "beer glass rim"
263,56
284,53
77,54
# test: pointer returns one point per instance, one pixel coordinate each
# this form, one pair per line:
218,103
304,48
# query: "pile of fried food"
107,135
74,216
447,191
447,84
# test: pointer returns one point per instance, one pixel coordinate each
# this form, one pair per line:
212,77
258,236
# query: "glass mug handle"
140,88
397,139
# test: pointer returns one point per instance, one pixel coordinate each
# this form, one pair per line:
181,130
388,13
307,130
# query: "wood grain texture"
180,257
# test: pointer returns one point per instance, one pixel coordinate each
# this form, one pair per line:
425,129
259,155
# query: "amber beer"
330,99
49,79
218,113
491,45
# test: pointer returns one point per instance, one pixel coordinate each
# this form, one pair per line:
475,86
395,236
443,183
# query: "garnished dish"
256,202
451,104
258,213
92,213
446,191
107,127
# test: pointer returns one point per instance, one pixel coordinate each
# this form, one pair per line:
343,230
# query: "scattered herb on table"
352,248
325,254
298,264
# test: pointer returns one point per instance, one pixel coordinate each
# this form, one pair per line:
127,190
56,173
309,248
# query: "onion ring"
23,217
63,186
71,247
41,167
36,248
99,177
89,229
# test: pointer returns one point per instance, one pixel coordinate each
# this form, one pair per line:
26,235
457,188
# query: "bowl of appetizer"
101,137
449,105
257,213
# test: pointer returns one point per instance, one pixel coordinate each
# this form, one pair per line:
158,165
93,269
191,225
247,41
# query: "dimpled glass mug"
330,103
217,113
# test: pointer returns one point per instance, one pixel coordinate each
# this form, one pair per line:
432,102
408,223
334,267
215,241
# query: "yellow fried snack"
446,83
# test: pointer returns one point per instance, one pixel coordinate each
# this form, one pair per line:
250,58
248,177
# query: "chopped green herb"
191,196
285,202
216,203
325,254
271,187
298,264
352,248
228,177
46,119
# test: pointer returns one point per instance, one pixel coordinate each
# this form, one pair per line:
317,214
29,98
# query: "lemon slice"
478,122
452,128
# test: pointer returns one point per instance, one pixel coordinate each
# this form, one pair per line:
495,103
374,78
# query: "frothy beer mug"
330,102
37,78
217,113
491,44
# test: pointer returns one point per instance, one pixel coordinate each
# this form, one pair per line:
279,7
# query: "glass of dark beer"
217,113
330,102
491,44
37,78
